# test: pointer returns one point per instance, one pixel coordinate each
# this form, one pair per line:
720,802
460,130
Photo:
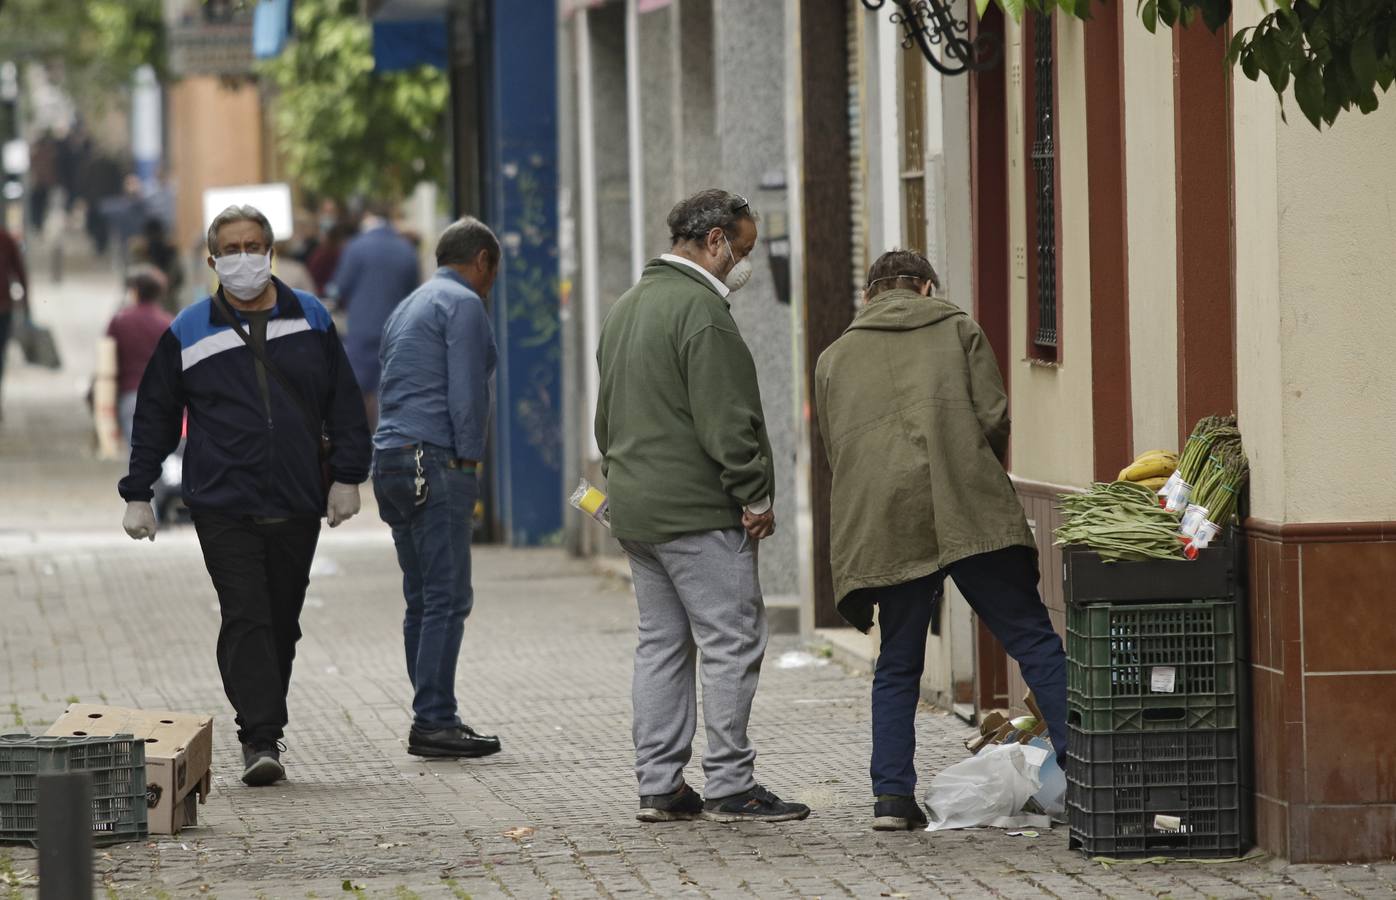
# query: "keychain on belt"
419,484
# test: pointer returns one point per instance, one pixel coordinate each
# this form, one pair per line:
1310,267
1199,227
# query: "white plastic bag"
988,789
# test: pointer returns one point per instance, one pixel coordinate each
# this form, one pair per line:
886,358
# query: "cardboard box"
178,756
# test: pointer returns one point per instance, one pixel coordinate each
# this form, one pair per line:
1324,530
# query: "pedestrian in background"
377,269
137,329
14,291
915,423
291,270
153,248
438,358
253,463
325,257
691,481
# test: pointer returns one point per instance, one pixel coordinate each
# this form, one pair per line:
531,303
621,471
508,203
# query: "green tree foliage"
345,129
1338,54
98,43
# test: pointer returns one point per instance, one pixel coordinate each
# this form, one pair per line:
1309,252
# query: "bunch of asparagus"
1206,434
1219,485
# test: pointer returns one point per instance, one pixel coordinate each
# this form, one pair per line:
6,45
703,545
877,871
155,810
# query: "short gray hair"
463,240
693,218
238,214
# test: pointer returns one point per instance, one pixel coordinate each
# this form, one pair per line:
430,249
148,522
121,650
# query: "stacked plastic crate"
1158,706
115,764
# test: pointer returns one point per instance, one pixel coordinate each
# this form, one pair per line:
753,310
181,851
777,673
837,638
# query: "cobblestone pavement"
86,614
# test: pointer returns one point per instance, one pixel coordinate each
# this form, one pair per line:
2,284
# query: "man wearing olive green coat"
691,482
915,423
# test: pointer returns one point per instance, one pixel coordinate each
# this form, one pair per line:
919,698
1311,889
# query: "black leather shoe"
682,805
451,743
261,763
895,812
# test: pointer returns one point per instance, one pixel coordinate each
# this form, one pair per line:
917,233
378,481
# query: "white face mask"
244,275
741,271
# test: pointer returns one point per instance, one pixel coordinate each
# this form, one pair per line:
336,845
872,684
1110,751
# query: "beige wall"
216,140
1259,393
1337,319
1052,419
1316,310
1151,196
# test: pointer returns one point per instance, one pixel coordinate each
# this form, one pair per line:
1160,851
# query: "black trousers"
260,572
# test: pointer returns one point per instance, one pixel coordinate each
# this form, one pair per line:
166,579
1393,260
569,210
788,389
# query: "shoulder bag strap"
312,418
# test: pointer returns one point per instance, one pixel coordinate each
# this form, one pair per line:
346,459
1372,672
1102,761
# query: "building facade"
1144,240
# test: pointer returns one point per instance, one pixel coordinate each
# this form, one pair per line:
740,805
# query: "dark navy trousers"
1001,588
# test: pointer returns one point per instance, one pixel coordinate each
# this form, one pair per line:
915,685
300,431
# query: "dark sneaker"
895,812
261,763
451,743
680,806
755,805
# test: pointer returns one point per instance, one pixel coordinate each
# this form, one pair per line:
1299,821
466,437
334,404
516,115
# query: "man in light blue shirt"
438,357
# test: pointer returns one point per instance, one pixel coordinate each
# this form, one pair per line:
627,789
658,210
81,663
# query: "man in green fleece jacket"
691,483
915,422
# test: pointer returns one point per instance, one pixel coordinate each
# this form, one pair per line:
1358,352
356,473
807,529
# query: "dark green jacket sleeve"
986,388
726,403
601,426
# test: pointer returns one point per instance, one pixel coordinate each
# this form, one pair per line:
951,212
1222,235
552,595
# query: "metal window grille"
913,110
1044,166
858,208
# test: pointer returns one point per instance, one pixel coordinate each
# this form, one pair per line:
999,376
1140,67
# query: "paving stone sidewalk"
547,665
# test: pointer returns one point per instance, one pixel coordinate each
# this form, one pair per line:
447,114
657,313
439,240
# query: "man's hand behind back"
758,528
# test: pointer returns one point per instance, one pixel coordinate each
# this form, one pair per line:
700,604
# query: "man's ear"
212,265
926,288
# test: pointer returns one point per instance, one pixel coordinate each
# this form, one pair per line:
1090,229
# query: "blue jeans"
433,550
1001,587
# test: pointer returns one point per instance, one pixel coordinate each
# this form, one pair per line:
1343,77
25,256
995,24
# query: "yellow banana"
1153,464
1154,484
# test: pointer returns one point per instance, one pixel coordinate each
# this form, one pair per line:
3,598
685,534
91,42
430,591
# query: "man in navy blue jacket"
253,461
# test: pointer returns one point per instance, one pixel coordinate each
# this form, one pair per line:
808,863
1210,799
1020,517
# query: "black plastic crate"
1157,666
1119,783
1218,571
117,769
1151,760
1200,832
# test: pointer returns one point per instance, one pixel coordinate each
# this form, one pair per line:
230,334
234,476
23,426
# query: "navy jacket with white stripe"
237,461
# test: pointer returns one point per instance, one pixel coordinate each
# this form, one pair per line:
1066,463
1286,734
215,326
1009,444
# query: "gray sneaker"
261,763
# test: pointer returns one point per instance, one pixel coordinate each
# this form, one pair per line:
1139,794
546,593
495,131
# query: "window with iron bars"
1044,338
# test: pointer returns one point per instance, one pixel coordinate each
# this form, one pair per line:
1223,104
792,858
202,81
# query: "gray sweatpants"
698,594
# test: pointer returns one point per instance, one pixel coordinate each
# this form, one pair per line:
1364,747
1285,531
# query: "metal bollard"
65,836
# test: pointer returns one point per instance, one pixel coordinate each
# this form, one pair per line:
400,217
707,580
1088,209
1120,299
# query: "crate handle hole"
1167,714
80,733
167,721
94,715
152,740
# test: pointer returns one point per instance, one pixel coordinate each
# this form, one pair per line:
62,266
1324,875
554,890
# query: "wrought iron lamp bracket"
928,24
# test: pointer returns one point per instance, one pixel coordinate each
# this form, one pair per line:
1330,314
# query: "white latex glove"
140,520
343,503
